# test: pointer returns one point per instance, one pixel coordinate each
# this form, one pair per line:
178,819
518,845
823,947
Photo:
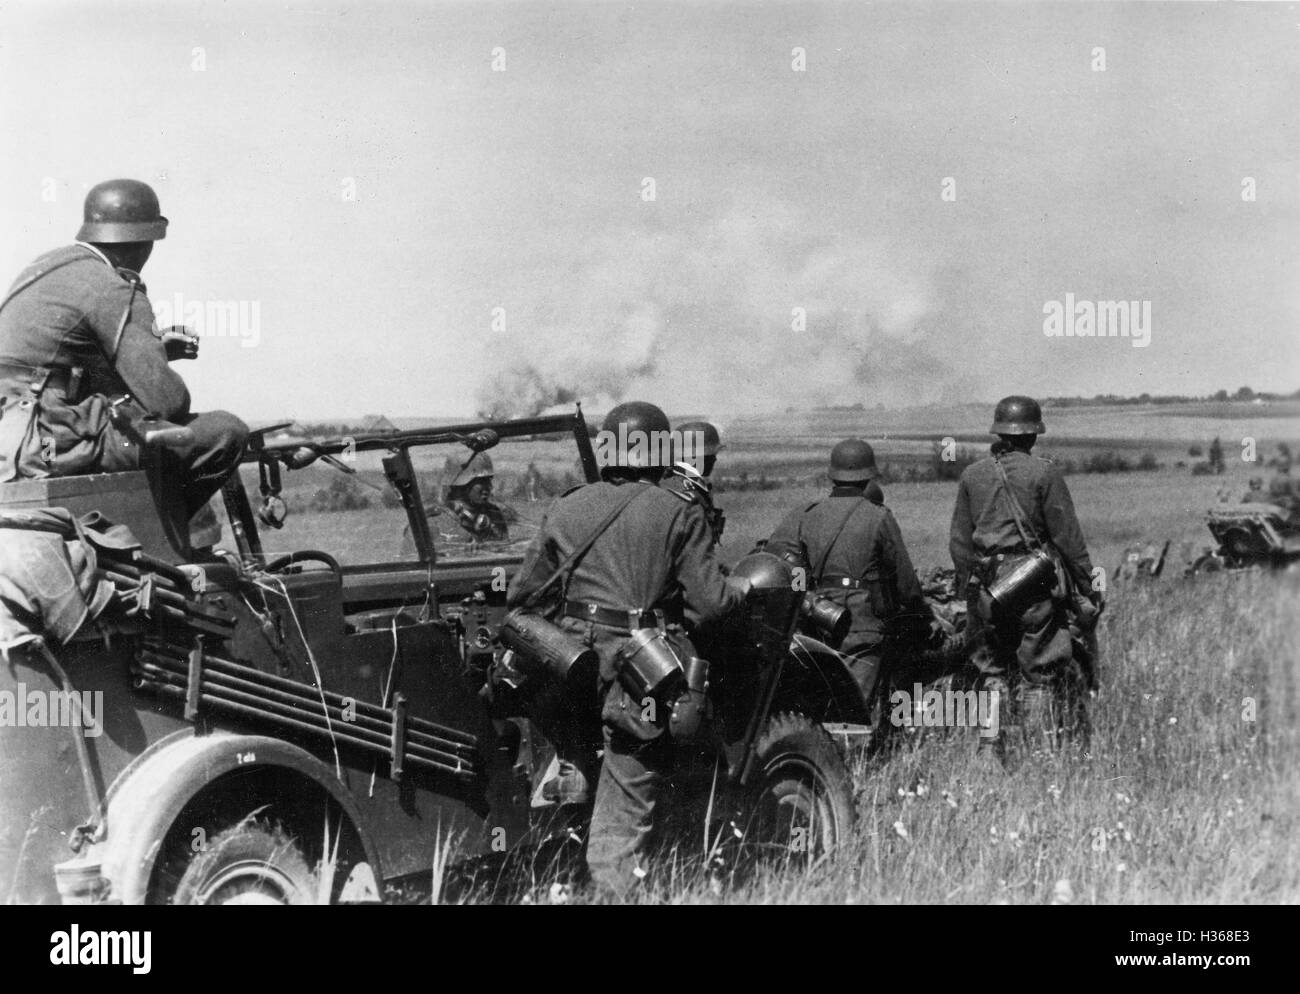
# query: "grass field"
1186,799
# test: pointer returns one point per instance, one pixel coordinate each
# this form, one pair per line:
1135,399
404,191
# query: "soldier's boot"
992,752
1038,710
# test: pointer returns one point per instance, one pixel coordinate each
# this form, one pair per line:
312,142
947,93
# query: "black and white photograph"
725,453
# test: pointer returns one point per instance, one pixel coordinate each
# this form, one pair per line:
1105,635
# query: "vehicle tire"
801,803
250,863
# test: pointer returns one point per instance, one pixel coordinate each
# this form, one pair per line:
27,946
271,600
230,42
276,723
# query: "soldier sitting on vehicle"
1010,506
77,333
855,556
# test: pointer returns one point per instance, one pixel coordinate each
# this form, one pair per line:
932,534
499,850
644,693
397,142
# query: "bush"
342,494
1148,462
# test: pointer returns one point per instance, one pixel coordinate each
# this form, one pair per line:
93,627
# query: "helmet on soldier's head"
712,441
478,467
122,210
852,461
636,430
1017,416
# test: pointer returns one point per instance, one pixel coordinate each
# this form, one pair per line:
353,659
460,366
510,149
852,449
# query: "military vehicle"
301,714
1248,535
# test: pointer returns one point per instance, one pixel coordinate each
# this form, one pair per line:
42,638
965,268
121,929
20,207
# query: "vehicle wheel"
251,863
801,805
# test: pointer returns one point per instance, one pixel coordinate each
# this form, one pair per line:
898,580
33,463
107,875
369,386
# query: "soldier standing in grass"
1008,505
650,553
855,556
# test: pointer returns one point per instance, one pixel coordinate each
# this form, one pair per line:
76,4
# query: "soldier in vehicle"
648,550
855,555
1283,488
467,509
1008,504
691,475
76,333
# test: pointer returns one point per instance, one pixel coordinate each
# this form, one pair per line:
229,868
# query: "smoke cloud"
744,312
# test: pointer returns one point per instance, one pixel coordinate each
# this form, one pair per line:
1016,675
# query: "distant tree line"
1220,396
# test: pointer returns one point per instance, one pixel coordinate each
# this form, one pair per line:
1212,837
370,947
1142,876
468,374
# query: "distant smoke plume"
703,318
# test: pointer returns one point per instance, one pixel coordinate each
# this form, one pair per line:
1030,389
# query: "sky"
412,231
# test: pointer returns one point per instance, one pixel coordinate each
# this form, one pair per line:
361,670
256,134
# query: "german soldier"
78,332
468,506
855,555
649,550
691,476
1010,504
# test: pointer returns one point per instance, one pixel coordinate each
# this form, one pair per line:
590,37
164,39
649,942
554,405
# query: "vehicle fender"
150,795
828,670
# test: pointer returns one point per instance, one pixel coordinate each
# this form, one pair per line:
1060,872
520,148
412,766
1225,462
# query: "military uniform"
74,333
856,557
459,521
983,525
658,549
1284,491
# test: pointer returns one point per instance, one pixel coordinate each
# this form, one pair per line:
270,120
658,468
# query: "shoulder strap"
826,553
566,568
36,276
1016,511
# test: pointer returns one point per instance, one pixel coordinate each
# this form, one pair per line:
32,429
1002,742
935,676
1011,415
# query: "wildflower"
1063,892
949,800
1121,867
901,829
1173,720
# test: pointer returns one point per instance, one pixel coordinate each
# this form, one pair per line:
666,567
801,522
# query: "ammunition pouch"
540,645
23,453
690,711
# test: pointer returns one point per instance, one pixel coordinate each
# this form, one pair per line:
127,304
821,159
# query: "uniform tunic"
984,525
848,535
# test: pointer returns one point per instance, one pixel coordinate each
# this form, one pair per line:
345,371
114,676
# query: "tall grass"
1191,793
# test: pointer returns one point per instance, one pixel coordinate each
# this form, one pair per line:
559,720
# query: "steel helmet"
1017,416
772,605
712,441
635,434
122,210
852,461
477,468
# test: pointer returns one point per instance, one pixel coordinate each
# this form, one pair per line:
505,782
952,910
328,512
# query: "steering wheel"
282,563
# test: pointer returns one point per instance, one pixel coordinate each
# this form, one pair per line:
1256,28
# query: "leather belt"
610,617
840,580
